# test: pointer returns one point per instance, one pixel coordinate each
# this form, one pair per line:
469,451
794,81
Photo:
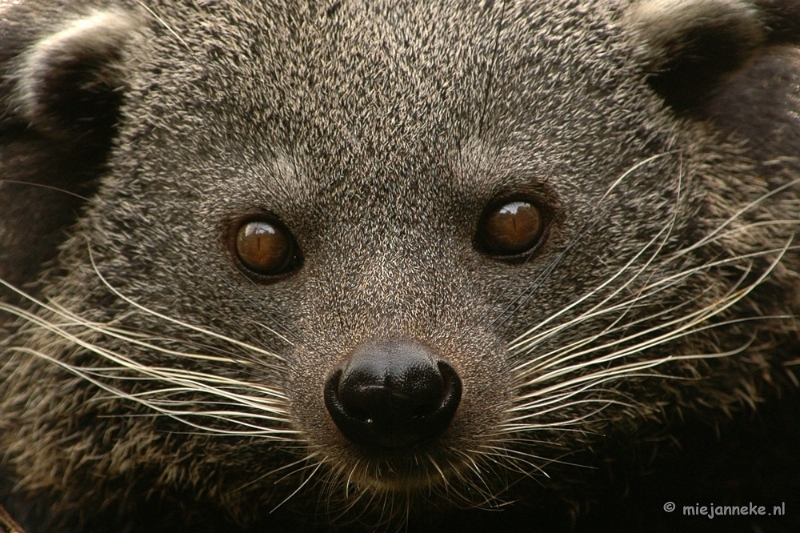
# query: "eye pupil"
513,228
263,247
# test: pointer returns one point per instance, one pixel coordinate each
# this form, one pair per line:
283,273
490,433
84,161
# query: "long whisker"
599,208
179,322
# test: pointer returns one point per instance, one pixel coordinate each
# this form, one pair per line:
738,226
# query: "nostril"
424,410
392,394
360,414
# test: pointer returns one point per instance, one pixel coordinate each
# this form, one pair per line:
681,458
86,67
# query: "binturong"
354,265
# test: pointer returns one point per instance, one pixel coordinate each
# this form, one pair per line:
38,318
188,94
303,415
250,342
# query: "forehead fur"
392,92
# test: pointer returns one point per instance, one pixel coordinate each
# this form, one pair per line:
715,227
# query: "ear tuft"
71,81
688,46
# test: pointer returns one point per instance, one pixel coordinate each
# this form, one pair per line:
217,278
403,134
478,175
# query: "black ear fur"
688,46
69,83
735,62
761,103
59,99
782,19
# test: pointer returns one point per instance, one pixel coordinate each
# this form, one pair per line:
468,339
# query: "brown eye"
512,228
265,248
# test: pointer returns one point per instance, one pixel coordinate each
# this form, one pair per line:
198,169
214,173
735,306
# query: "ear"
736,62
761,103
71,81
60,96
688,46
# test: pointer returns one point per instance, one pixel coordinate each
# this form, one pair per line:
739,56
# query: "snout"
392,395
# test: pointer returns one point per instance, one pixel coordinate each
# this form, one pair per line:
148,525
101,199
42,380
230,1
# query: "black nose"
392,394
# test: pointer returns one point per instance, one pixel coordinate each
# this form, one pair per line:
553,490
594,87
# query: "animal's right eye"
264,247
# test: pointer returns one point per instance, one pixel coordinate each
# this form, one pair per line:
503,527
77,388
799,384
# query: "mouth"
389,471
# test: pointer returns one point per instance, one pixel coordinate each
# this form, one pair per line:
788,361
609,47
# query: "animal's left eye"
511,229
265,248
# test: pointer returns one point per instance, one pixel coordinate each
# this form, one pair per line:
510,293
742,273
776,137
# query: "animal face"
398,253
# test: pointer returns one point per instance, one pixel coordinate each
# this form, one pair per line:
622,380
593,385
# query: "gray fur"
378,133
